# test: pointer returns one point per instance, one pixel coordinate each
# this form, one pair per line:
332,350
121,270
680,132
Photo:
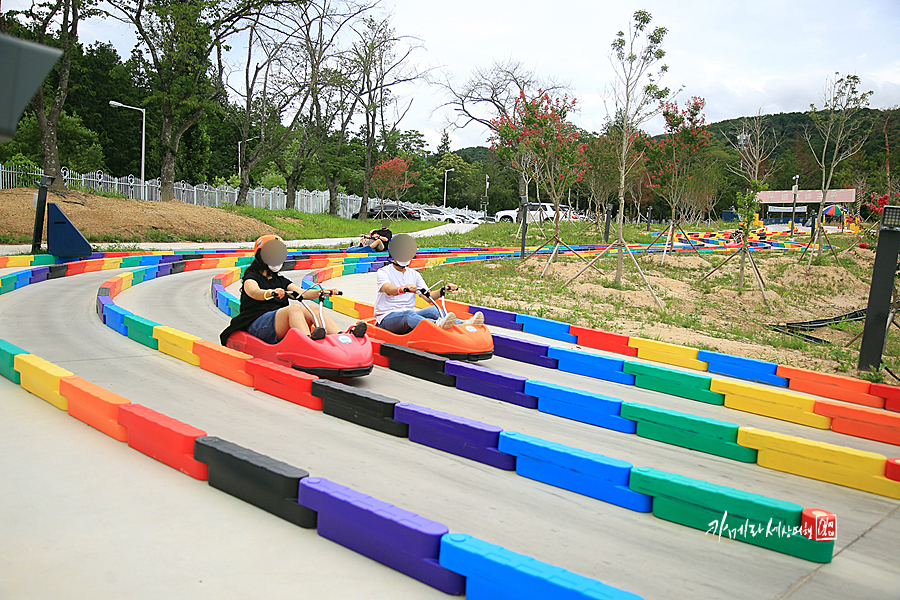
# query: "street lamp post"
445,185
239,155
115,104
794,206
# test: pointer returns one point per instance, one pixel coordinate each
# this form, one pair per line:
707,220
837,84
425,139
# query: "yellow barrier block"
817,460
227,262
670,354
345,306
19,261
422,302
41,378
176,343
111,263
127,280
770,402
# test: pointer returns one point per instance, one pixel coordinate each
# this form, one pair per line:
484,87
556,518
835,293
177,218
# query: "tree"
52,23
444,146
837,133
182,61
755,142
636,97
393,178
79,148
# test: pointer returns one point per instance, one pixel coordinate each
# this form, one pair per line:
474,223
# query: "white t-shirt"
385,304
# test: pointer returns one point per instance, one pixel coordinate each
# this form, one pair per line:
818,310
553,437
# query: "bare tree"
755,142
837,132
636,97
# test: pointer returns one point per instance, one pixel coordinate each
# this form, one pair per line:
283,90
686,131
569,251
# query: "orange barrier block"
283,382
3,260
94,405
381,361
41,378
861,421
836,387
460,309
365,310
890,393
92,265
161,437
223,361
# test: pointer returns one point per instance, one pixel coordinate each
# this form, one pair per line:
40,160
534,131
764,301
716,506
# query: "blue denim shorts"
264,328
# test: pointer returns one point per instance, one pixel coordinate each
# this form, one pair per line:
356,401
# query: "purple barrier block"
39,274
170,258
392,536
457,435
496,317
101,302
165,268
527,351
490,383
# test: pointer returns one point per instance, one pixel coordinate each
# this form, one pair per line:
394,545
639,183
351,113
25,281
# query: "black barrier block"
423,365
57,271
358,406
178,267
255,478
288,265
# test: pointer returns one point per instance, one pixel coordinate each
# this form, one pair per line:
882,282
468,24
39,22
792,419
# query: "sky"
742,57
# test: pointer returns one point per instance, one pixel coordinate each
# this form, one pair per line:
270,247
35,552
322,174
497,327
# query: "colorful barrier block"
836,387
359,406
591,365
688,431
556,330
763,521
892,469
534,353
41,378
603,340
457,435
769,402
573,469
283,382
748,369
140,330
861,421
8,353
890,393
692,386
163,438
392,536
255,478
114,317
817,460
585,407
423,365
94,405
490,383
671,354
497,317
495,573
177,344
223,361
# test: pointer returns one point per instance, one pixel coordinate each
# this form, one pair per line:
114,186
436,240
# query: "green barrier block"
137,276
131,261
787,540
43,260
670,381
8,353
141,330
8,283
244,260
688,431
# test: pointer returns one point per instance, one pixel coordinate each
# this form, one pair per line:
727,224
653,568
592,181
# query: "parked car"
389,210
536,212
434,213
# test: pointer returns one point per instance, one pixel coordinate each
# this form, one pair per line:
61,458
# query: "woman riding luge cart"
268,326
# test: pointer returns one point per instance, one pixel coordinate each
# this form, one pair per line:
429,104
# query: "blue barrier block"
497,318
495,573
150,272
591,365
573,469
115,318
743,368
23,278
556,330
222,302
152,260
585,407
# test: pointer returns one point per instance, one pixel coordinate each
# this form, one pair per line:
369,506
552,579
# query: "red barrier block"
167,440
283,382
195,265
381,361
94,405
890,393
892,469
75,268
818,525
223,361
861,421
603,340
836,387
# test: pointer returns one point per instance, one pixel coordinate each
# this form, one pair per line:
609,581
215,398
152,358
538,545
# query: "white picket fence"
314,201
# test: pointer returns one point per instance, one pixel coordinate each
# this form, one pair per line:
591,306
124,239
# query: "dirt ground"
110,219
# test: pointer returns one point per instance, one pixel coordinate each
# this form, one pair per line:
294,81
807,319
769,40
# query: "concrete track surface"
84,516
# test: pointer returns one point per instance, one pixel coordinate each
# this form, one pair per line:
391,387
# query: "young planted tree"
837,133
392,178
755,142
636,97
